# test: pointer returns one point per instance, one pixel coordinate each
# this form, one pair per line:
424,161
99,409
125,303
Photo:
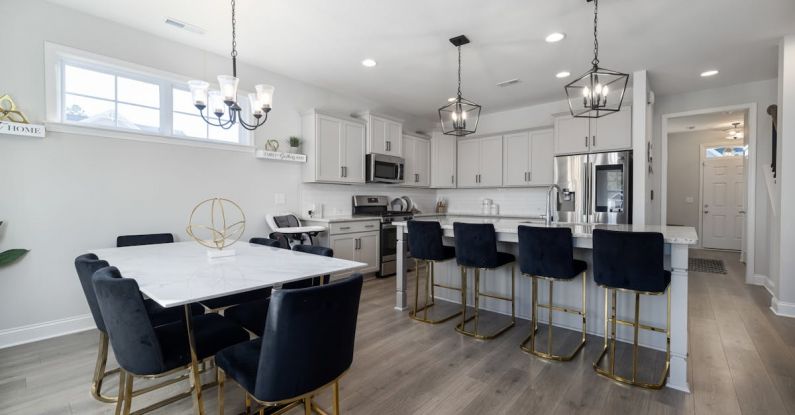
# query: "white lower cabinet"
361,247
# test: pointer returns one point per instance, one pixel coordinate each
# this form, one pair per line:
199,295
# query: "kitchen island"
677,241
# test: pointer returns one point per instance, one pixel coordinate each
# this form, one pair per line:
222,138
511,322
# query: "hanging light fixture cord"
234,41
595,60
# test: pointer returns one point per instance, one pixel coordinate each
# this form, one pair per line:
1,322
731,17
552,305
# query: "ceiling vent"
509,82
184,26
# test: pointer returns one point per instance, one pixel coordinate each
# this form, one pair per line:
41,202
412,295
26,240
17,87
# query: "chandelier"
223,103
459,117
599,91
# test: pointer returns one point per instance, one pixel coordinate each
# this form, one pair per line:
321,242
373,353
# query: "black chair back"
475,244
266,241
132,336
425,240
308,339
310,282
286,221
629,260
546,252
86,265
148,239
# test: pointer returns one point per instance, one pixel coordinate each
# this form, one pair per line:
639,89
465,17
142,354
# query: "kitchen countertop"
341,219
684,235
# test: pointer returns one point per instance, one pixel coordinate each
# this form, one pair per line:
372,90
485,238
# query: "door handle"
529,176
342,171
416,177
706,211
586,141
593,141
452,179
742,212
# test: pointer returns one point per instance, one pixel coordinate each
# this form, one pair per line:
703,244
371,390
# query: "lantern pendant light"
599,91
460,117
223,104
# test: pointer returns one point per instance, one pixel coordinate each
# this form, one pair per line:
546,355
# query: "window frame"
58,56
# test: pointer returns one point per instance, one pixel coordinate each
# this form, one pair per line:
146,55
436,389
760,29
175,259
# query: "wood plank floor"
742,361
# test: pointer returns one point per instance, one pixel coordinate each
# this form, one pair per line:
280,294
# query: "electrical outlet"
279,198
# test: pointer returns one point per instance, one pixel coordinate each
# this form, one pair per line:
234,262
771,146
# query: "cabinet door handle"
344,228
342,171
369,226
593,141
416,177
525,176
586,141
346,171
529,176
452,179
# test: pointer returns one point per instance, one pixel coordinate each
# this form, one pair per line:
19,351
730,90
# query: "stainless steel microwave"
384,169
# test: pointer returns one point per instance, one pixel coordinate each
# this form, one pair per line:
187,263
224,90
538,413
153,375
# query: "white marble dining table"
179,274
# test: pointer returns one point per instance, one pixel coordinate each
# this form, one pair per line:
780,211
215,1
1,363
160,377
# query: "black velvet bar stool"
476,247
548,253
426,245
631,262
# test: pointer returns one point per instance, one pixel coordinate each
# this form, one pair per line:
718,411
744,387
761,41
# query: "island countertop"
684,235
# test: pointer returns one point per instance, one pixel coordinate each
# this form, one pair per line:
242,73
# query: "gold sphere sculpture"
226,223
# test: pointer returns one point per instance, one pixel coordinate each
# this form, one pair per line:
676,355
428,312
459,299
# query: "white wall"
684,172
763,93
69,193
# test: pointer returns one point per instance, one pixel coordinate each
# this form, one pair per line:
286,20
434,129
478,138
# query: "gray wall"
684,174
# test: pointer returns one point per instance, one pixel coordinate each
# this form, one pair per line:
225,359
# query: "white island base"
652,308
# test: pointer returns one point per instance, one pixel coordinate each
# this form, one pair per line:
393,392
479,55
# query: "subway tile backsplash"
525,201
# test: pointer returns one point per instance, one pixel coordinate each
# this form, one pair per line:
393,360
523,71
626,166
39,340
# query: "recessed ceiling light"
451,99
555,37
711,72
369,63
563,74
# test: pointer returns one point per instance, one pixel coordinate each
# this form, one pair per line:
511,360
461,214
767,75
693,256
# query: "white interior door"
723,212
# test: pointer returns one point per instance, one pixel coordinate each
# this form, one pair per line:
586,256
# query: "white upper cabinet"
335,148
612,132
582,135
527,158
416,170
480,162
384,135
443,161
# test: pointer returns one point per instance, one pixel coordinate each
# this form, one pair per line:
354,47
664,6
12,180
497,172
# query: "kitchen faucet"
549,217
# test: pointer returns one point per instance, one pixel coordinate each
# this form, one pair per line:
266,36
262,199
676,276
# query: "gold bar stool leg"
428,300
335,398
584,307
613,333
549,319
635,338
477,298
220,376
535,315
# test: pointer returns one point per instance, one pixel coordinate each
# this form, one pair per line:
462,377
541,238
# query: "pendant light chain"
234,40
459,72
595,60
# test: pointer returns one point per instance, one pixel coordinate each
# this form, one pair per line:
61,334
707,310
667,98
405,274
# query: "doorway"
723,196
706,166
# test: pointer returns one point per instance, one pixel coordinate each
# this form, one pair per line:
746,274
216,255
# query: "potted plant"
295,143
12,255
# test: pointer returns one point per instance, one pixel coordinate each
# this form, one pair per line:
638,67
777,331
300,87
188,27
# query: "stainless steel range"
378,206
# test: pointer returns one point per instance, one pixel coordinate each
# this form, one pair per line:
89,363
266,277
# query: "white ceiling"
714,121
322,42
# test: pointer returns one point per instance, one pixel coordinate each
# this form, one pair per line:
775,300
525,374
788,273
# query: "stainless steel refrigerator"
595,188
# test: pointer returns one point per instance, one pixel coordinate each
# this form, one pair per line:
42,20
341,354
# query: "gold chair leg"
100,373
128,388
477,298
247,404
335,398
461,327
308,406
120,400
550,309
220,377
430,299
635,338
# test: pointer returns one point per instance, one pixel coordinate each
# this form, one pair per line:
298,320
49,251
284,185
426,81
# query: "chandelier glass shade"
599,91
221,105
460,117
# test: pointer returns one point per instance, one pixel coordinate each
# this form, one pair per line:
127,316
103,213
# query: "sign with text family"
15,128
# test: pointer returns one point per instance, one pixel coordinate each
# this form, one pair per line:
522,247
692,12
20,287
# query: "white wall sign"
15,128
275,155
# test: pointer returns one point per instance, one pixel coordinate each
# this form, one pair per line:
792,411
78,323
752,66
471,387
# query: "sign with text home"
15,128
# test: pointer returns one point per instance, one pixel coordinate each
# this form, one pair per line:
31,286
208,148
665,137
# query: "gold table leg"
195,379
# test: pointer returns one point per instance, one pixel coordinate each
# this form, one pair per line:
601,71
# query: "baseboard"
41,331
762,281
782,308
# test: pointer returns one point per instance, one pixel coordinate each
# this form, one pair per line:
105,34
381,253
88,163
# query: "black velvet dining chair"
145,239
252,314
143,349
307,346
86,265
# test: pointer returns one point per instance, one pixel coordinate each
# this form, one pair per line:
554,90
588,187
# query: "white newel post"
677,378
400,273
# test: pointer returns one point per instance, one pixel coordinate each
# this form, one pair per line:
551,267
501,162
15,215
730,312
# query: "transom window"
106,94
726,151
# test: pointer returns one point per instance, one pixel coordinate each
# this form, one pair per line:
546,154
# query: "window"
100,92
726,151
